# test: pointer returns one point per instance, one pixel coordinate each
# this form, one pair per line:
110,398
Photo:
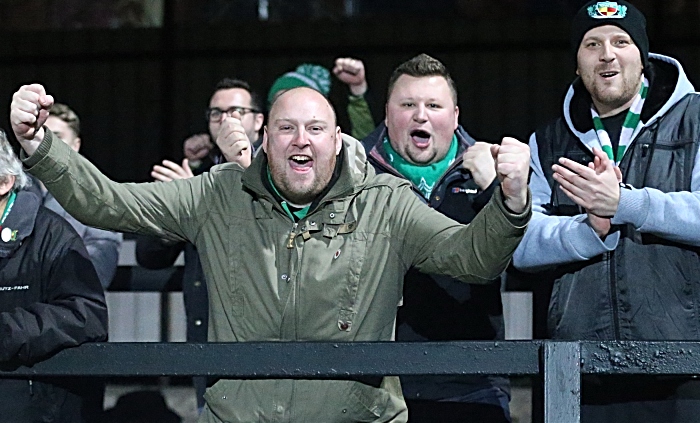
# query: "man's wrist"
358,90
515,207
30,146
516,219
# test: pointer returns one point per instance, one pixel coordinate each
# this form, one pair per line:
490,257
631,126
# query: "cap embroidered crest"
607,10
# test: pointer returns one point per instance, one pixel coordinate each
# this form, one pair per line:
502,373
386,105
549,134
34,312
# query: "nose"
300,137
420,113
606,53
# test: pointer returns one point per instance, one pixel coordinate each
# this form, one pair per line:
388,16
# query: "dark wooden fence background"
140,92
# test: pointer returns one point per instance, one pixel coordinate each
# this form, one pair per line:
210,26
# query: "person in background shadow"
102,246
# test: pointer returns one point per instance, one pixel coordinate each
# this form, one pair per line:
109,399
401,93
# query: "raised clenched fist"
28,111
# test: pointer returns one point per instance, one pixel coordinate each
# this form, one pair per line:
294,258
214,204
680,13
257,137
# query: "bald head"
301,142
294,97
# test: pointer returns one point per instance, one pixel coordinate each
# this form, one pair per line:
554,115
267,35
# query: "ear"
259,119
386,113
456,117
264,142
6,184
338,140
76,144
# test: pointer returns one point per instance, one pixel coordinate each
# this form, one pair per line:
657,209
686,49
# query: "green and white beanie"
306,75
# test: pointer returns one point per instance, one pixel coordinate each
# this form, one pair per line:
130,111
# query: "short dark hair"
67,115
418,67
228,83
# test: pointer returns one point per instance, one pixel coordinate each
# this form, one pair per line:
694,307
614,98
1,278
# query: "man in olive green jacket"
307,244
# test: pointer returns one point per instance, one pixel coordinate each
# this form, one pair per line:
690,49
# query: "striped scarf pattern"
630,128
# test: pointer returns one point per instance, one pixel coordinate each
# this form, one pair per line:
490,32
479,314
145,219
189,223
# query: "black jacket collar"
20,222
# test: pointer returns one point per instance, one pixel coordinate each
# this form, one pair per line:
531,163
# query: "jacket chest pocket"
248,259
329,280
353,259
665,165
344,234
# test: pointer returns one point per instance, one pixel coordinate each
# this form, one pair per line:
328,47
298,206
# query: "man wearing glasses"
232,97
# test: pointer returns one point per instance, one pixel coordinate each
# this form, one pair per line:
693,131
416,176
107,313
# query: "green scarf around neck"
424,177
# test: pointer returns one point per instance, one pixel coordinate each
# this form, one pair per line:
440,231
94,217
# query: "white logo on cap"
607,10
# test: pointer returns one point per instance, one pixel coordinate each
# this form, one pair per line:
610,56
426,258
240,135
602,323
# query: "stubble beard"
295,193
614,99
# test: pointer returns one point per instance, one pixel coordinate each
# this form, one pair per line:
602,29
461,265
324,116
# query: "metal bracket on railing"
562,382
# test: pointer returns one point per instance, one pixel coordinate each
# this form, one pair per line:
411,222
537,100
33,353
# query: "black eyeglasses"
215,114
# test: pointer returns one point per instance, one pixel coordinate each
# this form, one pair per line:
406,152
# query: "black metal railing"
559,365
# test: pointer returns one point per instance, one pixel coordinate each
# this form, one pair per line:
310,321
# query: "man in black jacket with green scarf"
422,141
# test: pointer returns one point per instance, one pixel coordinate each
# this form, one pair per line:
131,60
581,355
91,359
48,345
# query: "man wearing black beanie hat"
616,200
621,14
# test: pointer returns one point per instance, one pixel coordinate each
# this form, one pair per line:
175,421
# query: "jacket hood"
20,222
355,172
668,84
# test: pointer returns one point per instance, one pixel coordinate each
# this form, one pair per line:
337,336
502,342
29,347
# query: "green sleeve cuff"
41,152
519,220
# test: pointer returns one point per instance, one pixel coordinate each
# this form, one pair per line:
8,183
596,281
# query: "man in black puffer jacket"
50,299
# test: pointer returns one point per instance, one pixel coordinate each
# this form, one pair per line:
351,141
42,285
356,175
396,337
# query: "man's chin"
612,102
301,198
299,192
421,158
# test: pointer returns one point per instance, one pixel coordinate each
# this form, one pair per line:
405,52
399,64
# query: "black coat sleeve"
155,253
481,199
71,310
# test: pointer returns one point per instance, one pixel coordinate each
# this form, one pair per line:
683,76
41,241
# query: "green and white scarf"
630,128
423,177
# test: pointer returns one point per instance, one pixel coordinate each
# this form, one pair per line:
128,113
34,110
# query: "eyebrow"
429,100
311,122
231,107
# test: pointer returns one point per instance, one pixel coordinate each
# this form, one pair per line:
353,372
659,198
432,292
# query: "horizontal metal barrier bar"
640,357
557,364
339,360
291,359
